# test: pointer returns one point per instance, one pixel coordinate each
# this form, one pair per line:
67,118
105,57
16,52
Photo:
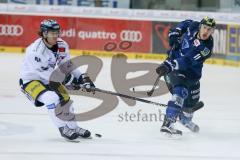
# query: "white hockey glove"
71,82
83,82
86,83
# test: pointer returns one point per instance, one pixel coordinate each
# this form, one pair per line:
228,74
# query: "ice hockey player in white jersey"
39,63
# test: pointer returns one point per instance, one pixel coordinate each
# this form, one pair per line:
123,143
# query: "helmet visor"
53,33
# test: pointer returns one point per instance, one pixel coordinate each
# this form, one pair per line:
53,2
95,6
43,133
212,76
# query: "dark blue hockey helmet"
208,21
49,25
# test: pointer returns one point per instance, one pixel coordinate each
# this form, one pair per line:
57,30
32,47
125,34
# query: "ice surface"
27,132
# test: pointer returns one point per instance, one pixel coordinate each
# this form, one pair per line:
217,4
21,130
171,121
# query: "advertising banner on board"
80,33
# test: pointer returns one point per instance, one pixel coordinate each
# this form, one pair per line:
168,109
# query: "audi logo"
131,36
10,30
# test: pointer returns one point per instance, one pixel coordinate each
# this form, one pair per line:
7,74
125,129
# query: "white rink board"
117,13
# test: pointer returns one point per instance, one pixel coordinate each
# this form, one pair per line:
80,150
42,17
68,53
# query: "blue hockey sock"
185,117
172,111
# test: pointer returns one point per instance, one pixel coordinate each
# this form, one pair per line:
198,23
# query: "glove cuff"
171,65
68,80
175,32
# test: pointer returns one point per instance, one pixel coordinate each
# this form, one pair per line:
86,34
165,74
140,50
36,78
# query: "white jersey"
40,62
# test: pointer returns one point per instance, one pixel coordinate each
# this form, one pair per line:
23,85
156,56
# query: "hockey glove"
71,82
86,83
174,38
166,67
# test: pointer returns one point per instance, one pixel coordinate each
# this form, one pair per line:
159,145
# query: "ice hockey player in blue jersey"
191,44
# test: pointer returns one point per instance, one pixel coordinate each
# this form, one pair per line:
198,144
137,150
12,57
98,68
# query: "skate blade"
195,129
85,138
171,136
73,141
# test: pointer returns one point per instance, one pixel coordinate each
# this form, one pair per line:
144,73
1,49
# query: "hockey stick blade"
149,93
198,106
141,93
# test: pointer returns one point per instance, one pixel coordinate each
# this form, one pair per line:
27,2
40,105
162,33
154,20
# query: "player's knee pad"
50,99
61,91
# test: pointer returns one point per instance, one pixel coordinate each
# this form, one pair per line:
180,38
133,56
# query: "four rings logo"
10,30
131,36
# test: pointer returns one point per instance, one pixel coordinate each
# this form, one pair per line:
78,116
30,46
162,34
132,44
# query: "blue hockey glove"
166,67
174,38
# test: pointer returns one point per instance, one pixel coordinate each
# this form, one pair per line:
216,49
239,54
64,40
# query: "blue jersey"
193,51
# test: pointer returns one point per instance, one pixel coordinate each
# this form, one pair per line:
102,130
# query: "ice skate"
83,132
69,134
186,120
168,129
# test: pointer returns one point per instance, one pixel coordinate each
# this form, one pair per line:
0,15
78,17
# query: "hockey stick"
196,107
129,97
149,93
